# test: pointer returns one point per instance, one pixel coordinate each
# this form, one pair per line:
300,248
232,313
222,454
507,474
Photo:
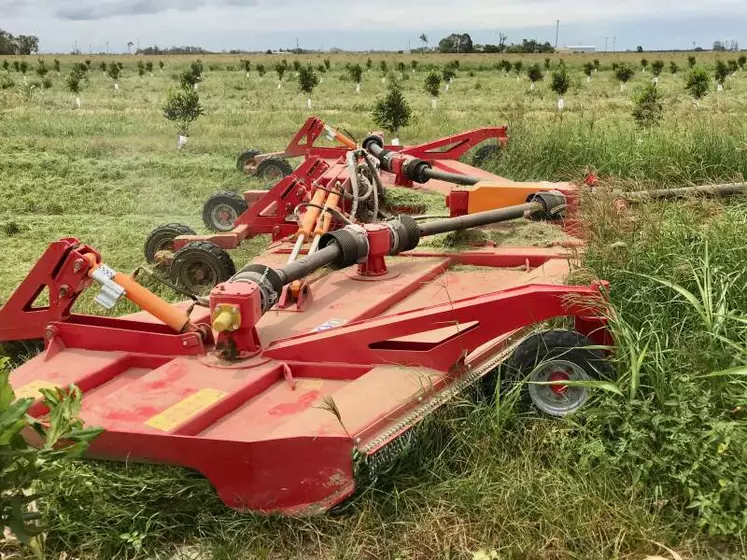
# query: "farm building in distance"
577,49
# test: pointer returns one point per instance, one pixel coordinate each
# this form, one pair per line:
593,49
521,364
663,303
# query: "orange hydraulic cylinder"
308,222
177,319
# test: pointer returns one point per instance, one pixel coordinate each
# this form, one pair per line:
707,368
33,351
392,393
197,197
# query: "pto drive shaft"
349,245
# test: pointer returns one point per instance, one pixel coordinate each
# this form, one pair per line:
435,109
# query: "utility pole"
107,47
298,49
614,44
557,32
606,41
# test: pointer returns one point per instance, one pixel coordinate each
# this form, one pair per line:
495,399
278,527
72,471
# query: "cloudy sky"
384,24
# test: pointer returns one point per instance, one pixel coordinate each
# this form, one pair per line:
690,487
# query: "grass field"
662,465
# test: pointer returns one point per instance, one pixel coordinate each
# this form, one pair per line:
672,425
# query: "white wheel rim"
558,400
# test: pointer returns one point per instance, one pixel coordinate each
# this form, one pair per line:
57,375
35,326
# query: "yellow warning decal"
185,409
32,390
311,384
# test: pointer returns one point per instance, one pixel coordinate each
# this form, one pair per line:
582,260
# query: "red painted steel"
258,428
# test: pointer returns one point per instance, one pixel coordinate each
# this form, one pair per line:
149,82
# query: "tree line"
21,44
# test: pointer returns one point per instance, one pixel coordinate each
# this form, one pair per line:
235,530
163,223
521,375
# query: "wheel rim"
223,217
558,400
272,174
198,276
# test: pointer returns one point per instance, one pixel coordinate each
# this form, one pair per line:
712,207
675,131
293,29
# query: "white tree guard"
181,141
531,86
395,141
77,102
116,86
308,103
446,88
357,88
434,102
561,104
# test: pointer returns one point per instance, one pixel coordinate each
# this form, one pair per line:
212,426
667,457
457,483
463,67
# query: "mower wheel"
221,210
274,169
162,239
485,153
247,158
200,266
556,355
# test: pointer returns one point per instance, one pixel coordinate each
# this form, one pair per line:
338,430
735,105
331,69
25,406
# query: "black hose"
309,263
479,219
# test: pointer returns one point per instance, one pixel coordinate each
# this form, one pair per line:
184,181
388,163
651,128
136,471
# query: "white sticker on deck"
330,324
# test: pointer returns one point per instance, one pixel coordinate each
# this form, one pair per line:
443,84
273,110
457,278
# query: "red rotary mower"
283,407
332,186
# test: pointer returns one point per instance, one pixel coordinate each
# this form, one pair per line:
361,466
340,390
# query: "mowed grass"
513,487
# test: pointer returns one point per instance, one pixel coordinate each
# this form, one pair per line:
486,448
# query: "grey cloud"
91,10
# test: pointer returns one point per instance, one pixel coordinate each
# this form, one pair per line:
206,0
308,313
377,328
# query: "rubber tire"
244,157
229,198
208,253
484,153
164,234
568,345
273,164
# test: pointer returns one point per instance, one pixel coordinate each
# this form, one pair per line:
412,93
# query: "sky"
380,25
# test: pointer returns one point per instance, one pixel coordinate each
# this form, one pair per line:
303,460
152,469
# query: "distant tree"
121,65
102,67
697,83
6,65
657,66
27,44
41,68
560,84
321,68
280,70
355,71
183,108
392,112
414,65
547,64
149,67
505,65
246,65
160,65
742,60
588,70
296,65
16,66
307,81
401,67
733,65
369,64
639,49
644,63
383,66
73,82
597,64
57,65
535,74
518,65
433,86
424,40
261,69
24,66
721,72
718,46
624,74
456,43
448,73
140,69
197,68
327,64
113,72
188,79
647,108
88,64
673,68
691,61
